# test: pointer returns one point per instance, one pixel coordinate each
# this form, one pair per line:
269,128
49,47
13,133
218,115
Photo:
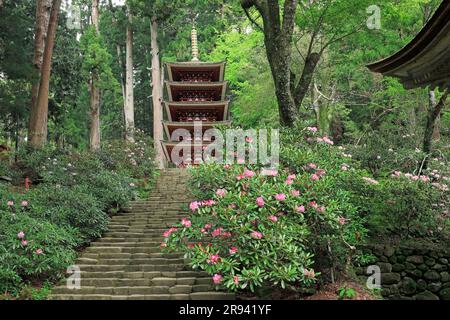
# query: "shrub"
73,207
259,229
31,249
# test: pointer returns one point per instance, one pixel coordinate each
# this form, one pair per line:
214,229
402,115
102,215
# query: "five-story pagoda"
196,102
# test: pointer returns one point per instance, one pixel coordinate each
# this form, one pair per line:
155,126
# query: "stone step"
130,290
192,296
181,283
127,244
131,268
124,255
201,277
135,261
156,251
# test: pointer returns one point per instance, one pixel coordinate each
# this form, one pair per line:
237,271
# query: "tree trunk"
433,113
305,81
120,64
278,40
43,8
129,104
156,95
38,124
94,137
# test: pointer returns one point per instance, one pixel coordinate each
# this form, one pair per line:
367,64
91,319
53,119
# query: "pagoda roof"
425,61
173,106
217,67
220,87
169,126
168,146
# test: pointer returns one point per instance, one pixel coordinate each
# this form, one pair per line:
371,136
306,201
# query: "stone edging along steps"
127,262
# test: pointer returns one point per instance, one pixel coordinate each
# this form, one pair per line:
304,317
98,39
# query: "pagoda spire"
194,43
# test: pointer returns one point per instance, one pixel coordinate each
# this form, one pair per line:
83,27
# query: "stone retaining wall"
412,273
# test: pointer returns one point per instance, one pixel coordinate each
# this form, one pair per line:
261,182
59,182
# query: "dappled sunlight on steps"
127,262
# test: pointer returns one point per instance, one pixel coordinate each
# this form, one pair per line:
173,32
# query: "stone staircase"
127,262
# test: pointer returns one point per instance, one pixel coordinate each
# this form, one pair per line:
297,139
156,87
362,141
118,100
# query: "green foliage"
19,260
65,210
346,293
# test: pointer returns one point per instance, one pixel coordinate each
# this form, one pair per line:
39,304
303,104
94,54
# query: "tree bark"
43,8
120,64
38,125
433,113
278,38
94,136
305,81
129,104
156,95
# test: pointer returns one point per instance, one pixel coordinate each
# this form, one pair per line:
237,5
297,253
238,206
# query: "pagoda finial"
194,43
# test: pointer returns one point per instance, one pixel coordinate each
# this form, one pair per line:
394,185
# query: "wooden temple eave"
168,146
216,88
169,127
221,107
425,61
174,68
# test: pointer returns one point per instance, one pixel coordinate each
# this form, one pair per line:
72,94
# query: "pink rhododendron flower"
233,250
239,177
370,180
24,243
342,220
24,203
319,139
289,182
186,222
39,251
269,172
10,203
312,165
300,209
249,173
167,233
291,177
217,278
321,209
273,218
314,177
280,197
256,235
221,192
217,232
260,202
295,193
309,273
194,205
327,140
227,166
344,168
249,139
21,235
207,226
240,161
226,234
425,179
213,259
313,204
320,172
236,280
396,174
312,129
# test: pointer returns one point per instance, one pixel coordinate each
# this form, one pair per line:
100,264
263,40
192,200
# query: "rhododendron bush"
254,226
292,224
